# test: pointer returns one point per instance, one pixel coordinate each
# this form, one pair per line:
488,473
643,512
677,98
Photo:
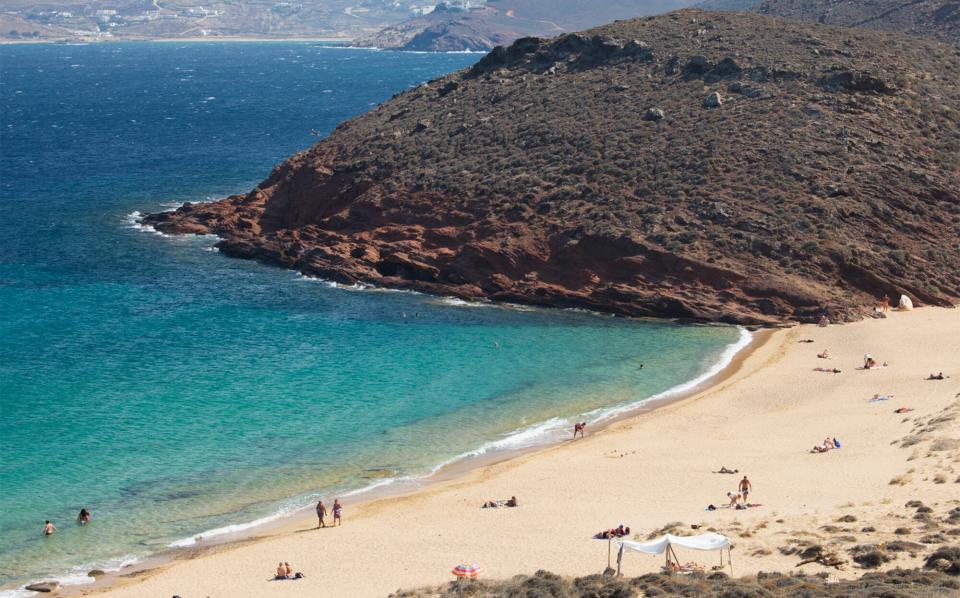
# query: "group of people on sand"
740,498
285,571
83,518
621,531
322,513
828,444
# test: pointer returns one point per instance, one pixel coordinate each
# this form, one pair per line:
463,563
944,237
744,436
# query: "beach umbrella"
470,571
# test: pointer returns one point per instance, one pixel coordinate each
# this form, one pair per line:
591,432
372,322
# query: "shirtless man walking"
745,488
321,513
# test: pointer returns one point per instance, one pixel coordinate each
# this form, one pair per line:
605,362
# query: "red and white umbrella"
471,571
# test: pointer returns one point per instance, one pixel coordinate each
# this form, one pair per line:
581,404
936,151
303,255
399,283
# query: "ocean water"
173,391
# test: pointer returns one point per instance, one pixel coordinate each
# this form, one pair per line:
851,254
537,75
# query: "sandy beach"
655,470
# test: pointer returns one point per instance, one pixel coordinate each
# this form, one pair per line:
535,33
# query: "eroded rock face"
830,176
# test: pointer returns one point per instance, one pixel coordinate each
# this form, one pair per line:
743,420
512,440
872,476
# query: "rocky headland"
712,167
500,22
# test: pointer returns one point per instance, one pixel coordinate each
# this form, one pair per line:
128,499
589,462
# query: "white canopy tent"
665,544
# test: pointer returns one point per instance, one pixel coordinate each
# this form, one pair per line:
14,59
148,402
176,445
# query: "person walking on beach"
49,528
745,488
337,511
885,303
321,513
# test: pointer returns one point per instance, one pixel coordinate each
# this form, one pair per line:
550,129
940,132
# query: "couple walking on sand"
322,512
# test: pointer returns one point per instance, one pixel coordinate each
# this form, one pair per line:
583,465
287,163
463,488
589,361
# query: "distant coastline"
219,38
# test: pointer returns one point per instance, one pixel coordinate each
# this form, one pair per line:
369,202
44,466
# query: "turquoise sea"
173,391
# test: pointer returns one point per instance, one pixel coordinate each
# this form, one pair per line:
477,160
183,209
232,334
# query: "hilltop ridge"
707,166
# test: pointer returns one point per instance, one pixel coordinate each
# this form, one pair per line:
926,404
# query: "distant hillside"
712,166
502,21
171,19
741,5
933,18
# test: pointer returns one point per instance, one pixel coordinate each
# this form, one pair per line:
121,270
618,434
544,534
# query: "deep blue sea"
173,391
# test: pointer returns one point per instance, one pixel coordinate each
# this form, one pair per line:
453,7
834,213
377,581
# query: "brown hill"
939,19
728,167
500,22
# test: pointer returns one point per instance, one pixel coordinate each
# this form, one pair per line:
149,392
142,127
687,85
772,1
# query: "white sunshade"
709,541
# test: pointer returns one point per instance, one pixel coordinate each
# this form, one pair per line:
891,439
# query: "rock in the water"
45,587
714,100
653,114
96,573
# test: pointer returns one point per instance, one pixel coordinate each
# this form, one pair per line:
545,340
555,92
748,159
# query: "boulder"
653,114
44,587
714,100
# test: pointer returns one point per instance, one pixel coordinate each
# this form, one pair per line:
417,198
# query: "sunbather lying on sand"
823,355
828,445
876,398
937,377
903,410
615,532
493,504
725,470
828,370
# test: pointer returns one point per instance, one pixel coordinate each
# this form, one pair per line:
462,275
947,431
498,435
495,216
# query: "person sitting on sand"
289,569
937,377
513,502
824,321
725,470
281,571
734,499
824,355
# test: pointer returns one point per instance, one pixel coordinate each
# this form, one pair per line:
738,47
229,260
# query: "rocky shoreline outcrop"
710,167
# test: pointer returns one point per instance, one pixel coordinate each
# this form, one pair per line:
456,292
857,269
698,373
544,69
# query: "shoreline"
654,472
729,362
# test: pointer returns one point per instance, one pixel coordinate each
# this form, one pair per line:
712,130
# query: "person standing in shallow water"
84,517
49,528
321,513
337,511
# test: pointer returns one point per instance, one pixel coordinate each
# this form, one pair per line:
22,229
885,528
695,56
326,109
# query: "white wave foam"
229,529
457,302
76,576
134,220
